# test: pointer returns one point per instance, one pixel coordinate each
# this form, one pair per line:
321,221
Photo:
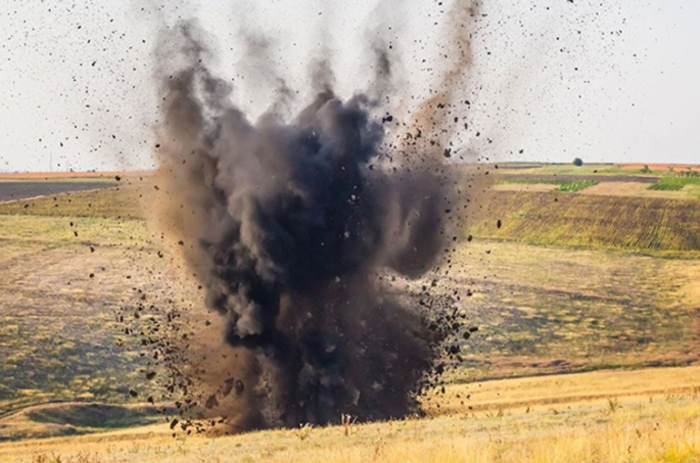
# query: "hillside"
591,221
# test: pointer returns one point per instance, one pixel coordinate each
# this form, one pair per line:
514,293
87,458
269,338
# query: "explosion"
299,229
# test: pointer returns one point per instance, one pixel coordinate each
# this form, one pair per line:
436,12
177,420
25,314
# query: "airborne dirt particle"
306,234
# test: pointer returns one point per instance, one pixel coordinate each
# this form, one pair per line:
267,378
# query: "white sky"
605,80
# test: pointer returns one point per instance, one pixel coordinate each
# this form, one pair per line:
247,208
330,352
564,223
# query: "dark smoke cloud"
295,229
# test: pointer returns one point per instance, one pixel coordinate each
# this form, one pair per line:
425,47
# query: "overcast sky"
611,80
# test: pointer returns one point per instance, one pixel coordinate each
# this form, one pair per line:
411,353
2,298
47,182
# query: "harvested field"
592,221
16,190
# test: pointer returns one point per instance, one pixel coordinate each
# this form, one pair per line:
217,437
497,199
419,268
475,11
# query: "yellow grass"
644,417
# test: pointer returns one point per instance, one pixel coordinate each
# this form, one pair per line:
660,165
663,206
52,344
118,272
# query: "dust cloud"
313,236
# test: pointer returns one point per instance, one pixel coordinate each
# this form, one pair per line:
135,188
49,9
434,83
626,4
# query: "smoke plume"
299,229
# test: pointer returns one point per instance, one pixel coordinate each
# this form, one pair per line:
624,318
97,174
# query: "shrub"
578,162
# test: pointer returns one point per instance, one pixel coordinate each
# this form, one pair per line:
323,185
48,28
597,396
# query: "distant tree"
646,170
578,162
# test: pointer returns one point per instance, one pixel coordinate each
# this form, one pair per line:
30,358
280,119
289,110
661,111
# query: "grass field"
551,309
650,224
568,282
540,309
119,202
61,294
648,415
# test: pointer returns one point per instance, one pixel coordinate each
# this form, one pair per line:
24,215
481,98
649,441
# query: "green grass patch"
576,185
674,183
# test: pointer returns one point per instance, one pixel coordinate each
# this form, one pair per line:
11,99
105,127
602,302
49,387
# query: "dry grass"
552,309
591,221
542,392
61,294
540,310
641,427
119,202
